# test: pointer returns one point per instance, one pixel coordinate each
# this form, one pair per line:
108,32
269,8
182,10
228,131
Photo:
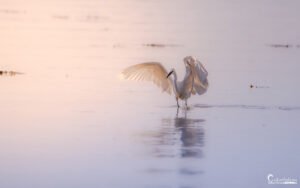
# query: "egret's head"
171,72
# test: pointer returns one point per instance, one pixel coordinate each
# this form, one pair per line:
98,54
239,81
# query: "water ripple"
255,107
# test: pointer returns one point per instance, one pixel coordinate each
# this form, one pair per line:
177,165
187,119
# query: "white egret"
194,82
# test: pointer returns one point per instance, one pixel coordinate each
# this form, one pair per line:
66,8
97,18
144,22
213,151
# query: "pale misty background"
70,121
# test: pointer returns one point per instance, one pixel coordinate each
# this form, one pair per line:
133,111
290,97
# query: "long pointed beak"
169,74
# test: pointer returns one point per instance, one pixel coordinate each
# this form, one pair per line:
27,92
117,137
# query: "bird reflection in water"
178,137
191,135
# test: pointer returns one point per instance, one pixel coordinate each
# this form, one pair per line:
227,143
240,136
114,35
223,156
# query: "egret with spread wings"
194,82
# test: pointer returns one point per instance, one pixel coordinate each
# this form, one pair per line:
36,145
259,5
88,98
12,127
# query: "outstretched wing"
150,71
199,73
200,76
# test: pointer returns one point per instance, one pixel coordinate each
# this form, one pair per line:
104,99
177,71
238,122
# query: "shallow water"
69,121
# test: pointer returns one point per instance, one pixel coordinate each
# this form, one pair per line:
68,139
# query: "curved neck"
175,81
175,76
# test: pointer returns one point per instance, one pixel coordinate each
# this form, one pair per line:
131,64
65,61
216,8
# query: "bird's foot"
186,107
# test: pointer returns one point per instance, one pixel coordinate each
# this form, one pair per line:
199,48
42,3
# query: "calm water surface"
69,121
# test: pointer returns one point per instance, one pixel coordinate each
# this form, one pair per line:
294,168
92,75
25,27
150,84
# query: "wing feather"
200,74
150,71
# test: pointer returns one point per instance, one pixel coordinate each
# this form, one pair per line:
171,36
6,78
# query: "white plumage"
199,73
195,79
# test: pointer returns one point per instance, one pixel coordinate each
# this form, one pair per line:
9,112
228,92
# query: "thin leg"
177,102
186,102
